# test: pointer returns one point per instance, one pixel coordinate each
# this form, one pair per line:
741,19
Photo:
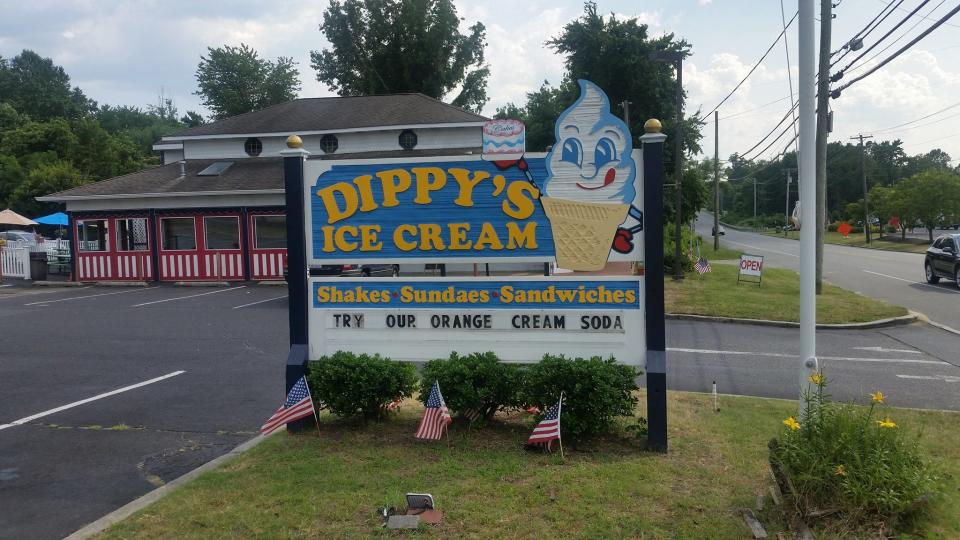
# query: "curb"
121,284
925,319
201,283
879,323
272,283
146,500
57,284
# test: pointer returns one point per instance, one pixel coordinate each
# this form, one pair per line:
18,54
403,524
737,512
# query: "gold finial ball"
294,141
652,126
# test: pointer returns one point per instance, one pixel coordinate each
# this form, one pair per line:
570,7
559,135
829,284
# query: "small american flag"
702,266
436,418
298,405
548,430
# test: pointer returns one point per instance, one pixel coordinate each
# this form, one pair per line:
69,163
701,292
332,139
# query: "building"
214,209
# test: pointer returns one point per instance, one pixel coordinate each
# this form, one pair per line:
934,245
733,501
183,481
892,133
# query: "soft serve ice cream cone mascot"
589,187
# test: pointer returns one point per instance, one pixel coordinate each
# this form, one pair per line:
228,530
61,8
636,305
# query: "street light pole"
786,214
676,57
863,174
716,181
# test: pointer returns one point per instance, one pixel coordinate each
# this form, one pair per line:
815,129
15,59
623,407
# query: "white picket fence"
15,262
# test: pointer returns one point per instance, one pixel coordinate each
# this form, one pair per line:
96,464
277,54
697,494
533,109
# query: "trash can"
38,265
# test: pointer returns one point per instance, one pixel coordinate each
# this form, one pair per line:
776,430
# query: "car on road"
713,231
19,238
943,259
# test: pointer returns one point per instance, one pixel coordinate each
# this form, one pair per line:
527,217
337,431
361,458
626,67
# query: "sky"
129,52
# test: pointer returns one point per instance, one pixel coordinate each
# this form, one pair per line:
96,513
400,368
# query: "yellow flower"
841,471
877,396
816,378
792,423
886,423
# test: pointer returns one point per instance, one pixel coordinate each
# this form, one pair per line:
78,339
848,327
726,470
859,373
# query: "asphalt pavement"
107,393
892,276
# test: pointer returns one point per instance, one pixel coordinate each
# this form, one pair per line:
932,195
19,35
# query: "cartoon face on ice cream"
590,182
591,158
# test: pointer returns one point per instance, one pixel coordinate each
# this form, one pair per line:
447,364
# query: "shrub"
854,463
349,384
595,392
475,385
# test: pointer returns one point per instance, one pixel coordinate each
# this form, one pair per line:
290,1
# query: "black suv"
943,259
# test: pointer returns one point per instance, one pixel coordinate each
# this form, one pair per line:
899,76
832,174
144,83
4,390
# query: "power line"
891,128
927,17
865,31
761,141
894,42
934,26
786,49
839,73
741,113
777,138
755,66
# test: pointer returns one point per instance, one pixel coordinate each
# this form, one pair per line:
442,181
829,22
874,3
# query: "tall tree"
40,89
933,196
392,46
235,80
44,180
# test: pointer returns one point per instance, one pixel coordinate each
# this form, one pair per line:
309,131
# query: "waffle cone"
583,231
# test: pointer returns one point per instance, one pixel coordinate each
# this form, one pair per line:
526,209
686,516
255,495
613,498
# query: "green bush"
854,463
687,247
475,386
833,226
595,392
349,384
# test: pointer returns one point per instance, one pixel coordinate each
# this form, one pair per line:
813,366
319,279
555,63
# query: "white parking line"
911,281
761,249
88,400
838,358
881,349
88,296
189,296
944,378
260,302
2,286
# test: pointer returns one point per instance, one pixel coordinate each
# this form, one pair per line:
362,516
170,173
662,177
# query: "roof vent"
216,169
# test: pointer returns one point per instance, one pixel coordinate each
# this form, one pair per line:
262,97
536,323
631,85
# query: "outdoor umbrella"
58,218
9,217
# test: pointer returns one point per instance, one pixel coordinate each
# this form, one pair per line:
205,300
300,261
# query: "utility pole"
823,96
863,173
754,199
626,112
807,166
716,181
786,213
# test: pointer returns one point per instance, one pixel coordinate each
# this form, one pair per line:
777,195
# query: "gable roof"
260,175
337,113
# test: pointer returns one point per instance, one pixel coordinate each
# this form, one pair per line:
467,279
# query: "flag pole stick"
312,406
559,438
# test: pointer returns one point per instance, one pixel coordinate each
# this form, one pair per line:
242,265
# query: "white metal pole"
808,205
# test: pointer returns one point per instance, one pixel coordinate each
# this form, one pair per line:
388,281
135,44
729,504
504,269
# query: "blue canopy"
53,219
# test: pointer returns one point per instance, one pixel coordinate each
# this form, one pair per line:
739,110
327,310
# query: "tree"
235,80
192,119
11,176
539,114
391,46
44,180
931,197
40,89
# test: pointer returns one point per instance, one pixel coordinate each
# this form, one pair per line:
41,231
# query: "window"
329,143
92,235
408,139
938,243
132,234
178,233
270,232
222,232
252,146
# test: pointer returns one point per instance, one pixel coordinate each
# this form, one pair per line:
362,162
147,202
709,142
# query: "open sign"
751,265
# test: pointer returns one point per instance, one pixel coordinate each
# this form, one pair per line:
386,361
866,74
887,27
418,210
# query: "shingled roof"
251,174
337,113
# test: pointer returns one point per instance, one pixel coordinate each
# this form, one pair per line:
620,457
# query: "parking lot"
108,392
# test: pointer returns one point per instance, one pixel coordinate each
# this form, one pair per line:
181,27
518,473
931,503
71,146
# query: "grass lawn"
488,487
778,299
891,241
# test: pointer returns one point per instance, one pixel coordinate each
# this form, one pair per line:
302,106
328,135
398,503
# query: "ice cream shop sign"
579,205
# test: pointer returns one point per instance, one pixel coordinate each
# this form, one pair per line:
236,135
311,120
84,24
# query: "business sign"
751,265
520,318
579,204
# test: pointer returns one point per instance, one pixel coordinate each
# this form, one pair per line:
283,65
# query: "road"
106,393
888,275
